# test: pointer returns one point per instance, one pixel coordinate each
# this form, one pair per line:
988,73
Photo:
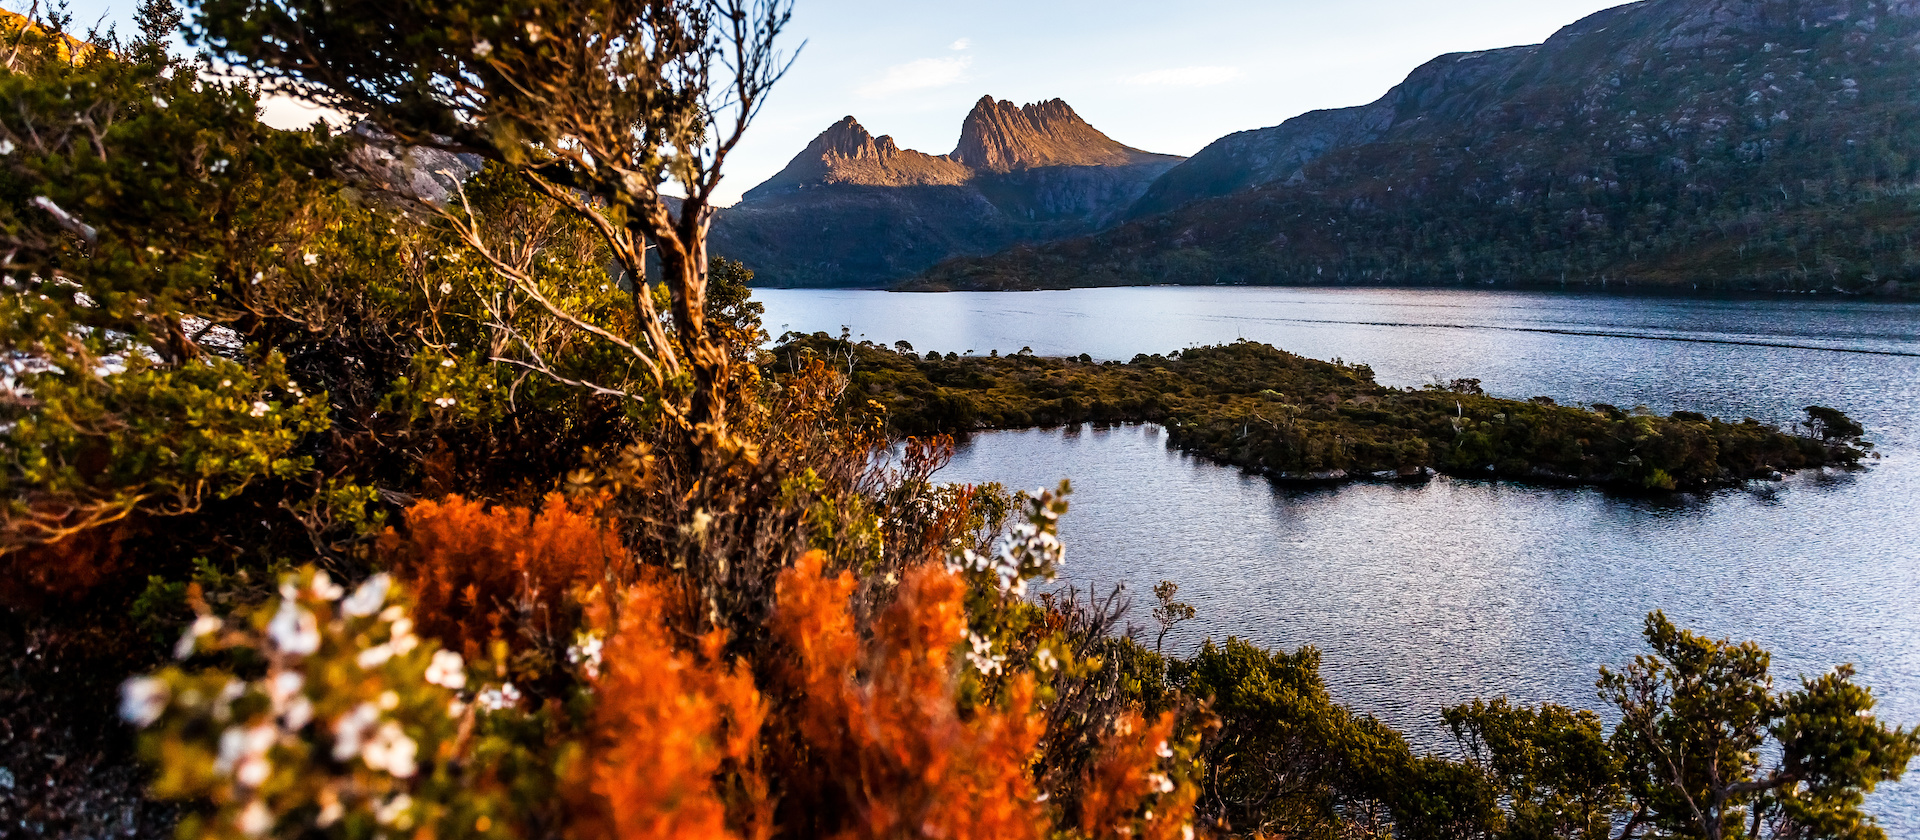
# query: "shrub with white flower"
998,582
345,725
455,387
1032,550
584,653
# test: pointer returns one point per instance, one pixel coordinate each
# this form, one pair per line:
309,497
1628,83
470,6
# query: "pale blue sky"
1160,76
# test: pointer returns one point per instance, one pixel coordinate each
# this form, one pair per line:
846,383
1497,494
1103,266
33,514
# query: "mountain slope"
855,210
1714,144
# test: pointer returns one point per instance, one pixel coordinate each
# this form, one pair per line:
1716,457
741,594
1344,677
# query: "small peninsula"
1299,419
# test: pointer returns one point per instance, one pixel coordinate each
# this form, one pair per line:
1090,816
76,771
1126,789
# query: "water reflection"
1424,596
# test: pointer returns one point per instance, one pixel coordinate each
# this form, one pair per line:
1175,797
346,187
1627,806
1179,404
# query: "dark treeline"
1290,417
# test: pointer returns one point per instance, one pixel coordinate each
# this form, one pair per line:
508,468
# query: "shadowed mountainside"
1752,145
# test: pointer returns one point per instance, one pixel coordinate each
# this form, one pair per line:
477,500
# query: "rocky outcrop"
857,210
999,136
847,155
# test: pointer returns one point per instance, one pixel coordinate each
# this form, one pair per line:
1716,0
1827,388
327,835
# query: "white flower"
1159,783
294,630
1044,658
240,747
218,165
391,750
311,258
223,704
159,103
585,652
142,699
351,728
331,811
498,699
448,670
369,598
446,288
253,771
446,363
395,811
204,625
444,402
482,48
6,146
260,409
1163,750
375,656
298,714
324,587
255,819
283,686
1186,832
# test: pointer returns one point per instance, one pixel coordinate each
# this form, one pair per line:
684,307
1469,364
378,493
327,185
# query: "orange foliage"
881,719
1127,792
675,736
475,571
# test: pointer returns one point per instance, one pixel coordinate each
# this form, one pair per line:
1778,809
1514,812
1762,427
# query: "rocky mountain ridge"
1766,145
853,209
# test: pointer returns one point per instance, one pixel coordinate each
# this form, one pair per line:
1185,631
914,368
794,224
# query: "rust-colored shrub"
1129,792
675,739
34,574
506,573
893,755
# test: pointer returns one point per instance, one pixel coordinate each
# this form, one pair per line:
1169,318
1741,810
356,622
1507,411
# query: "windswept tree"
1697,716
621,111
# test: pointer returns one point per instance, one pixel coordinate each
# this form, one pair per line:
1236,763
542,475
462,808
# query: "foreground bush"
359,726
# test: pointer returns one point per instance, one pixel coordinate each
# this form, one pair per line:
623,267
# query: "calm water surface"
1424,596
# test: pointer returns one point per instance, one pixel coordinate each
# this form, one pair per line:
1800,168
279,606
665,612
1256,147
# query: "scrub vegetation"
1301,419
427,481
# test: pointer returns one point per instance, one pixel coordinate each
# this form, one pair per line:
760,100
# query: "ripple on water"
1426,596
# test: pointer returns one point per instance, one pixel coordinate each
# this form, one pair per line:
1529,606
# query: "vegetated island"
1299,419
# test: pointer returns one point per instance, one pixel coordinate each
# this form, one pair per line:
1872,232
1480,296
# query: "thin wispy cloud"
1185,77
961,44
917,75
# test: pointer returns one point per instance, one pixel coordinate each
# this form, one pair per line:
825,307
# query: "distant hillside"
857,210
1696,144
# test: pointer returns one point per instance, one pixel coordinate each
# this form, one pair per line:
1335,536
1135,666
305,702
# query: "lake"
1425,596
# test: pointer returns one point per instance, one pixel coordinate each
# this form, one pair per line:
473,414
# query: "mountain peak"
846,153
999,136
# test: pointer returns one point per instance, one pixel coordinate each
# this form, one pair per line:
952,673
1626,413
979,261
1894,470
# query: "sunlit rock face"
853,209
999,136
